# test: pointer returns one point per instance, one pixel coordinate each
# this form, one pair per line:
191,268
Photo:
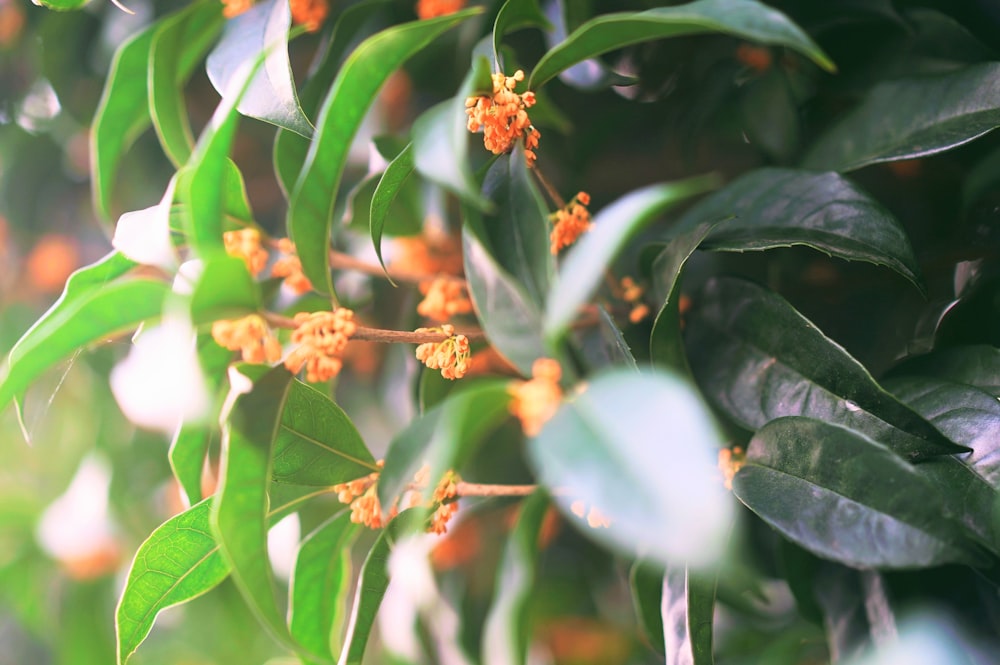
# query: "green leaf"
748,19
977,365
646,584
912,117
369,65
271,95
320,583
225,290
687,609
845,497
514,15
758,359
603,345
590,74
583,266
62,5
179,561
770,115
666,345
178,44
317,443
441,139
506,632
83,315
396,174
773,207
239,509
660,493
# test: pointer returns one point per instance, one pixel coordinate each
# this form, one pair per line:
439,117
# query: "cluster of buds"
444,297
290,268
595,518
450,356
322,338
309,13
433,8
570,222
362,495
730,462
632,294
245,244
503,116
535,401
250,336
432,253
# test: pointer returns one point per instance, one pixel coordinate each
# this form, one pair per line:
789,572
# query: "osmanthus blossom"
433,8
503,116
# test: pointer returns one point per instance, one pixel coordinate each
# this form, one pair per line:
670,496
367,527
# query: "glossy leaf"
513,15
655,486
506,632
225,290
271,95
179,43
758,359
317,444
747,19
687,609
62,5
583,267
976,365
911,118
773,207
320,584
646,584
179,561
845,497
590,74
362,75
395,175
603,344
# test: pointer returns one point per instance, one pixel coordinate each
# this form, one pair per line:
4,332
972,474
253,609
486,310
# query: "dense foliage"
535,331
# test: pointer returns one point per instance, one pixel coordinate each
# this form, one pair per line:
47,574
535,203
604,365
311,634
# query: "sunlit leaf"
758,359
396,174
62,5
646,584
748,19
688,604
225,290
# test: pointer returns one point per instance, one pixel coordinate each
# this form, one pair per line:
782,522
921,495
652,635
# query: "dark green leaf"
977,365
225,290
506,632
912,118
603,345
838,593
514,15
687,607
396,174
660,492
646,583
591,74
770,115
179,561
317,443
583,267
748,19
271,95
845,497
320,583
773,207
759,359
369,65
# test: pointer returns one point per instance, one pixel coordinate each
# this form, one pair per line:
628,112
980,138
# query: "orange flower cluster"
245,244
290,267
250,336
432,8
450,356
366,509
444,495
537,400
429,254
310,13
234,8
571,222
595,518
632,293
504,117
443,298
362,495
731,461
322,338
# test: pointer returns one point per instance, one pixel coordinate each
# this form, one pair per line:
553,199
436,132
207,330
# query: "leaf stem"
549,189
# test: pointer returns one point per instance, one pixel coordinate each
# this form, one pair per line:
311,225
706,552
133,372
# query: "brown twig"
341,261
549,189
366,334
479,489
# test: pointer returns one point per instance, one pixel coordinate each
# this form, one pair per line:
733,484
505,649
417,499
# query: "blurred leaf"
179,561
660,493
395,176
507,632
179,43
317,444
583,267
441,139
770,115
838,593
514,15
912,117
748,19
976,365
687,608
758,359
646,584
271,95
590,74
773,207
369,65
603,344
320,584
845,497
225,290
62,5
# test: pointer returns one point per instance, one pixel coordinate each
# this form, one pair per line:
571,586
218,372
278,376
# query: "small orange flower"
758,58
731,461
504,116
290,267
537,400
432,253
444,297
310,13
571,222
595,518
444,495
632,293
250,336
234,8
450,356
431,8
245,244
322,338
362,495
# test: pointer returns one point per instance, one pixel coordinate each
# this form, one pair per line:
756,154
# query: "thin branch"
479,489
549,189
366,334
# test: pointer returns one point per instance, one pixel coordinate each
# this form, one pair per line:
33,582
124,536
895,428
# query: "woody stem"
479,489
366,334
549,189
341,261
